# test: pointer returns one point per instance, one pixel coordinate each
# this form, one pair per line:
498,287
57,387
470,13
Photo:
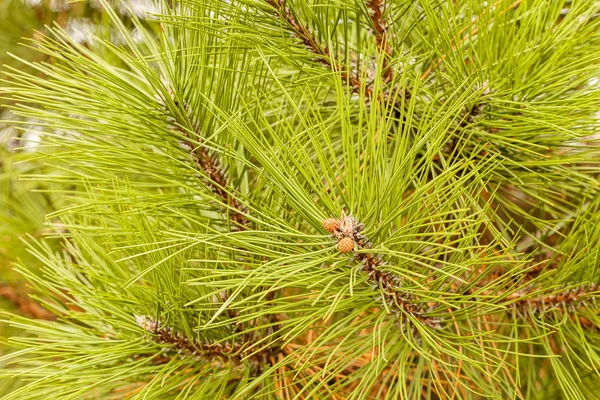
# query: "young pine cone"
345,245
331,224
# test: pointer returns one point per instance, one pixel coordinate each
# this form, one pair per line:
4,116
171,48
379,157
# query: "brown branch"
26,305
347,232
218,184
180,346
532,300
571,298
216,180
381,38
324,56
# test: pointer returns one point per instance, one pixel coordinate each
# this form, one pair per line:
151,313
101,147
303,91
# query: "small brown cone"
331,224
345,245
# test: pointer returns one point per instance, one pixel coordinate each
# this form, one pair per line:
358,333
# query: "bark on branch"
381,38
177,345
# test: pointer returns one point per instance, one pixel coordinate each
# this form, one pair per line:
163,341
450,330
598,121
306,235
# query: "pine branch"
232,353
216,180
381,38
571,299
346,231
219,184
322,52
309,147
328,60
531,300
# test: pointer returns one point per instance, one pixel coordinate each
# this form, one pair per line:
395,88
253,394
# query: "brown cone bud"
345,245
331,224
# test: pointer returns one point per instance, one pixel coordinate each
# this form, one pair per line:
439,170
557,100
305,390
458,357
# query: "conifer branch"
322,52
219,184
481,312
179,345
570,301
347,232
381,38
529,300
216,180
572,298
328,60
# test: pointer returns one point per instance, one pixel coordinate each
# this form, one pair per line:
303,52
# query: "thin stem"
381,38
324,56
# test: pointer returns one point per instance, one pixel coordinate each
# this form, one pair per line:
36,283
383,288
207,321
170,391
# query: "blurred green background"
22,205
26,197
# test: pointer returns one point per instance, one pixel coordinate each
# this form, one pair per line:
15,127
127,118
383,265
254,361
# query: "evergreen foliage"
298,199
